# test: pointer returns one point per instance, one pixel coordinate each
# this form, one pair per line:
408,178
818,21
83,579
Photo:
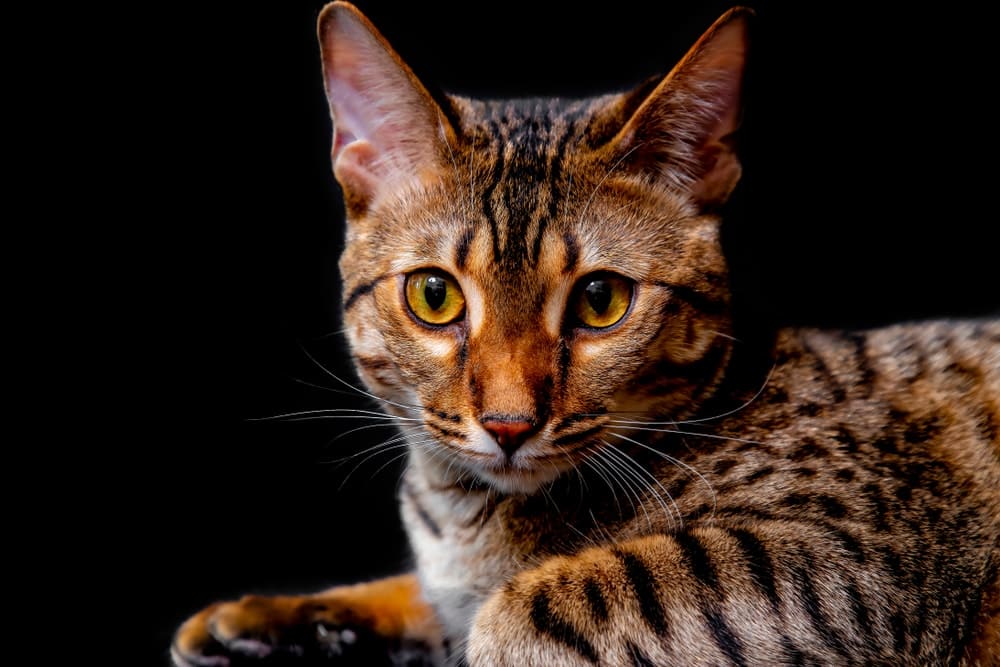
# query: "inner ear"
683,132
388,130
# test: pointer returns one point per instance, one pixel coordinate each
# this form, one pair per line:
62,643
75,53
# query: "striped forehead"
520,174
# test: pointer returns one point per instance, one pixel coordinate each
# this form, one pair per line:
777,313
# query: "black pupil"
435,290
598,295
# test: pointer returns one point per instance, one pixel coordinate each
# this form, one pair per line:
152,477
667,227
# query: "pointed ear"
388,131
683,130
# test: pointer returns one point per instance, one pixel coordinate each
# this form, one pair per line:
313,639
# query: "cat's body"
605,468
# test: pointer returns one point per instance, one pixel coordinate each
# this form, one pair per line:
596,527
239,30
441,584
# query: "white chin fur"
517,480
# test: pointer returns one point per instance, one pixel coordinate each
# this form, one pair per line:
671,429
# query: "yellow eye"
434,297
602,299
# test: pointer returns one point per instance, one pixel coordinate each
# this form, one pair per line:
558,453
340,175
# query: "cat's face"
524,278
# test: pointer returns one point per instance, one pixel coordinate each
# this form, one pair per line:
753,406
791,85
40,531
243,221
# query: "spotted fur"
687,493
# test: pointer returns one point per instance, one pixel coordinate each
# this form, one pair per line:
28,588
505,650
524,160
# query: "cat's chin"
524,479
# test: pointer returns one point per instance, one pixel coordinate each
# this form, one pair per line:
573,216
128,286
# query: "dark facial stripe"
373,363
494,181
576,418
572,252
759,562
555,193
446,432
695,298
425,518
558,629
358,292
595,598
698,560
644,587
440,414
724,637
462,247
579,436
565,357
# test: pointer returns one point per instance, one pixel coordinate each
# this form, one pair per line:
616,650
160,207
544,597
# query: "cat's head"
523,278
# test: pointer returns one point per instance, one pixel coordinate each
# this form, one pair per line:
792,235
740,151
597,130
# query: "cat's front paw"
278,630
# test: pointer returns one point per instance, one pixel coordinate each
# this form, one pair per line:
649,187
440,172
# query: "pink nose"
509,432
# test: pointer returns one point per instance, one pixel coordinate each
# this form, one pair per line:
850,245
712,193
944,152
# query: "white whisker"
637,467
415,408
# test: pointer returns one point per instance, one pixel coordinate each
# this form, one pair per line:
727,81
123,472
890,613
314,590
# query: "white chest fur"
462,551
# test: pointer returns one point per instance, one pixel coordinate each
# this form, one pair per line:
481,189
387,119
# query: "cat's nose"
510,432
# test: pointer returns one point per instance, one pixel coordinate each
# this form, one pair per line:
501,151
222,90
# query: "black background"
869,162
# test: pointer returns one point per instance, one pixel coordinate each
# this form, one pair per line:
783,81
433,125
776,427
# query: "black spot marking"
886,445
809,409
809,450
804,471
830,506
549,624
879,506
796,500
678,487
845,475
723,466
644,587
760,474
846,439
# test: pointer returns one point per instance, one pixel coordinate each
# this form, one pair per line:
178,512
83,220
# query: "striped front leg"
777,593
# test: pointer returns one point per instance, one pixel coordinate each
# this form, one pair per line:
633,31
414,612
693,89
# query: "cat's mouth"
524,471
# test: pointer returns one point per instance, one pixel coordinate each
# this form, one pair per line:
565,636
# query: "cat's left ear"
388,130
683,130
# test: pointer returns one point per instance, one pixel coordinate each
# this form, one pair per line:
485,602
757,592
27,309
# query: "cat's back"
916,399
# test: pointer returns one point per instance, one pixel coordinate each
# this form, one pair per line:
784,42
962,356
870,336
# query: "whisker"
636,467
681,464
347,384
345,413
631,426
629,478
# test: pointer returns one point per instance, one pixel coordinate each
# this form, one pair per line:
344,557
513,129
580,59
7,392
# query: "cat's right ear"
388,130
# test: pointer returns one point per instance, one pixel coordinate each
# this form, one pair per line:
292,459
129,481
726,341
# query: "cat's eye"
601,300
434,297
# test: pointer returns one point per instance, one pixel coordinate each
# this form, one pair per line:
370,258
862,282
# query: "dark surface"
867,201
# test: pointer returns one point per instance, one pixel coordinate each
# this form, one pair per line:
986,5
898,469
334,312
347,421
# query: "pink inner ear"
385,123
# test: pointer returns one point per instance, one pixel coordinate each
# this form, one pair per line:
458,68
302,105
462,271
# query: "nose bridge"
509,376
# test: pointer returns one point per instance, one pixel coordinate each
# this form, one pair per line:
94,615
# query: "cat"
606,466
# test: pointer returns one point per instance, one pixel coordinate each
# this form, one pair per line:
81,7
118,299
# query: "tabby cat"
604,467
